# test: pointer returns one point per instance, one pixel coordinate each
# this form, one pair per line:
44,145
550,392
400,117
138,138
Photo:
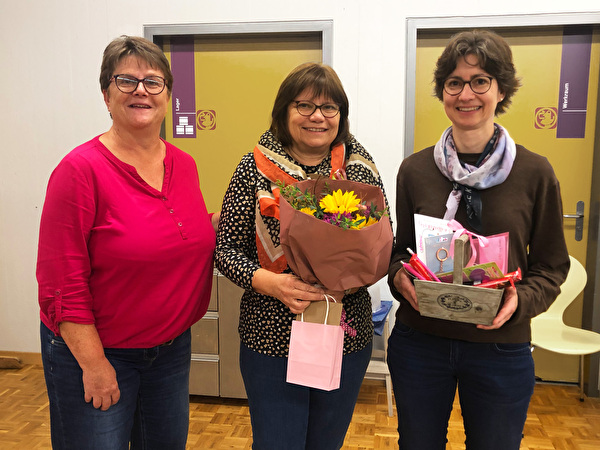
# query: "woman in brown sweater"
477,175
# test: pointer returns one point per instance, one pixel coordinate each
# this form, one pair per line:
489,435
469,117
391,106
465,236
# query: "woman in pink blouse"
125,266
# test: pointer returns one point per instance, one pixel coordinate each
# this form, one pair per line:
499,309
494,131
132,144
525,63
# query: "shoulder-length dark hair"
493,54
139,47
319,79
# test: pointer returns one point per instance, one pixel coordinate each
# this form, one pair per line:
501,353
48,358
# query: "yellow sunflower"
364,223
337,202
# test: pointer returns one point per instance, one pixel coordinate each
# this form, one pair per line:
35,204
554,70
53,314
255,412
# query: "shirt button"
179,224
171,211
164,199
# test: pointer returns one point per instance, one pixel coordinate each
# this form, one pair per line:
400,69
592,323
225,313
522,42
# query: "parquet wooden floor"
556,420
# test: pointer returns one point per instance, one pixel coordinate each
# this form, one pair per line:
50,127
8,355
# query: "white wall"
51,102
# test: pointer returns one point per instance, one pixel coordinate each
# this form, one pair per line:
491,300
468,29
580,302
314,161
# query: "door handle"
578,216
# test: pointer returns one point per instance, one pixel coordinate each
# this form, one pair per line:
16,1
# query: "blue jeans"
292,417
152,413
495,383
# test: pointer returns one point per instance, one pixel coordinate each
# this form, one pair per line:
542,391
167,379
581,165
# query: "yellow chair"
551,333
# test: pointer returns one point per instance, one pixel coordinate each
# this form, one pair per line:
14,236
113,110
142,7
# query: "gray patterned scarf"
492,169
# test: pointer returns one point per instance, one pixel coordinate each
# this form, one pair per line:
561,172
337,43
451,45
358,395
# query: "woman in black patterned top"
309,137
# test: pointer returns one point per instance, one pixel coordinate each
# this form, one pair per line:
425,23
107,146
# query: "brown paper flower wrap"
325,254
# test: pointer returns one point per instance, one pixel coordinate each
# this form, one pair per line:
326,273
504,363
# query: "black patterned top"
265,322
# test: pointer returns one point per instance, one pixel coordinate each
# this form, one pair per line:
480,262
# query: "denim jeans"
152,413
495,384
292,417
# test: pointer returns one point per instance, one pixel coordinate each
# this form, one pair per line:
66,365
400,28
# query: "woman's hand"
288,288
100,384
509,306
214,220
403,284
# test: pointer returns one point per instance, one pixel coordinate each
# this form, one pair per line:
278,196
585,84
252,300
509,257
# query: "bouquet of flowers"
335,233
343,209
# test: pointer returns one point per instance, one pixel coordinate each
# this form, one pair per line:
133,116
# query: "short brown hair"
139,47
493,54
321,80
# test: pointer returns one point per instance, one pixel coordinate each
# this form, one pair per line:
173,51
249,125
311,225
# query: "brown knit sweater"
527,205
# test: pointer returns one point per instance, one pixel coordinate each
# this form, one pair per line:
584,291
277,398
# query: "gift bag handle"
327,297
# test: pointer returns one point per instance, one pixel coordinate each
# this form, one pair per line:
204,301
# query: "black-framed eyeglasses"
479,85
127,84
306,108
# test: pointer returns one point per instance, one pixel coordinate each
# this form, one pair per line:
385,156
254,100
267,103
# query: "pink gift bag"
315,354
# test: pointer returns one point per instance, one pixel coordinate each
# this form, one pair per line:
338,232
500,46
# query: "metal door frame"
228,381
324,27
591,297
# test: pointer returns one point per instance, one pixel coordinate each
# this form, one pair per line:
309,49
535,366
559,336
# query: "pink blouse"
115,252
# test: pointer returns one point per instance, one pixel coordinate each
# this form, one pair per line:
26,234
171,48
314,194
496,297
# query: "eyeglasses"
479,85
127,84
306,108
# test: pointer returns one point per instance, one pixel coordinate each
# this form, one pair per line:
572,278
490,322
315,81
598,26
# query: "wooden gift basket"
455,301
